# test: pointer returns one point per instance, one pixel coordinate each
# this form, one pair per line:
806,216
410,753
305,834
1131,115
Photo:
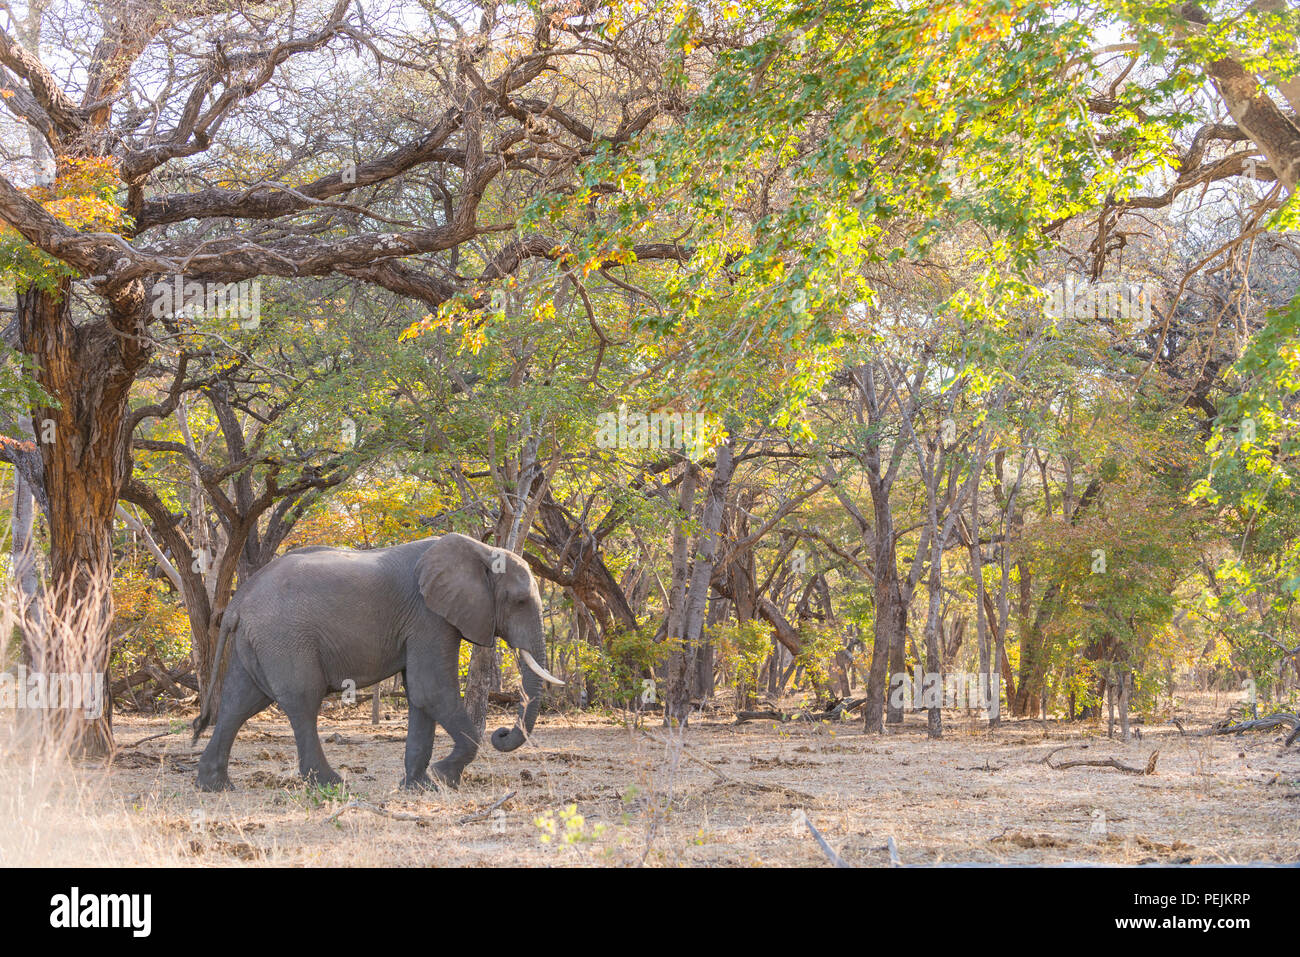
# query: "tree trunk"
478,686
1110,707
987,666
933,659
1125,685
22,556
88,368
704,665
677,594
682,663
890,628
897,632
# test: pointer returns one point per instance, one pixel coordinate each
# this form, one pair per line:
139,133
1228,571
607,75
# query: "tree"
130,211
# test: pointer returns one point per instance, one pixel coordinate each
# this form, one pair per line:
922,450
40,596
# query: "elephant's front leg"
419,747
455,719
433,689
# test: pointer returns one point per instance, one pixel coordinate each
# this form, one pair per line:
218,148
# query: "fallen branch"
170,681
166,681
826,714
152,737
826,848
1108,763
487,812
131,750
375,809
1282,719
986,767
743,716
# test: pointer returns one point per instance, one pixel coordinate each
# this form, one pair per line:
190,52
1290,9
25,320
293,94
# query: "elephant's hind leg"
303,712
240,700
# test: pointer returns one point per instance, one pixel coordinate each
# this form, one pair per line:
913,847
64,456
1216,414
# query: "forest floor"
729,795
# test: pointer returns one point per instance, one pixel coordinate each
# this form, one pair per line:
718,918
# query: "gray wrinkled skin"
318,617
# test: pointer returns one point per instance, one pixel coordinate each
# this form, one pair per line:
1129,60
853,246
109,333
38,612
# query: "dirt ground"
727,794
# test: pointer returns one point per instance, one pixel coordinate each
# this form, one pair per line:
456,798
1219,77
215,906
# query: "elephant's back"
319,587
319,566
327,559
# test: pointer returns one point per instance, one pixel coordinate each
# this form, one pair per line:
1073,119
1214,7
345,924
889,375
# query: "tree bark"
1125,685
22,555
682,662
89,367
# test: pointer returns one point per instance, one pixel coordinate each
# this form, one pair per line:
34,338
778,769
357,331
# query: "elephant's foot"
322,777
446,774
419,782
214,781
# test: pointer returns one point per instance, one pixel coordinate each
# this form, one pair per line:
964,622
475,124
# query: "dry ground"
972,797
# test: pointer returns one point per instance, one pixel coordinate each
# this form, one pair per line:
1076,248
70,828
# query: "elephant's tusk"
531,662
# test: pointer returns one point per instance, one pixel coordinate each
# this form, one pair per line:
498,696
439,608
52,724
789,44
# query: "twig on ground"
1047,758
826,848
487,812
375,809
132,747
1108,763
985,767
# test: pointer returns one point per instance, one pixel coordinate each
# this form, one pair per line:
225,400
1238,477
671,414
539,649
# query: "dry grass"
724,795
52,808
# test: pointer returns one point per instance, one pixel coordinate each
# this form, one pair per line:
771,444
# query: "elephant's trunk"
507,739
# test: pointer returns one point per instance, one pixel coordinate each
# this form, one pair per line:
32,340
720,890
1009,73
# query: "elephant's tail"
229,622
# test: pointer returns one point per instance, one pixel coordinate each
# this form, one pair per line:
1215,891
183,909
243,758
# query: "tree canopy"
789,344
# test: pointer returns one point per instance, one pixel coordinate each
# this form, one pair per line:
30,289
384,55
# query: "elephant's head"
486,592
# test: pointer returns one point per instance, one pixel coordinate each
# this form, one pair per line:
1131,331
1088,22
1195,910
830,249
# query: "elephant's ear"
453,578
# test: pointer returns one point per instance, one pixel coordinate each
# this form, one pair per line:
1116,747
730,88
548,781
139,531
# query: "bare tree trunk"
682,662
89,368
22,555
478,686
704,671
1110,707
1125,684
933,659
897,632
981,619
890,629
677,593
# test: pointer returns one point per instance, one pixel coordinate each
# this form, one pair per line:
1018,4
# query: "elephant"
317,618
